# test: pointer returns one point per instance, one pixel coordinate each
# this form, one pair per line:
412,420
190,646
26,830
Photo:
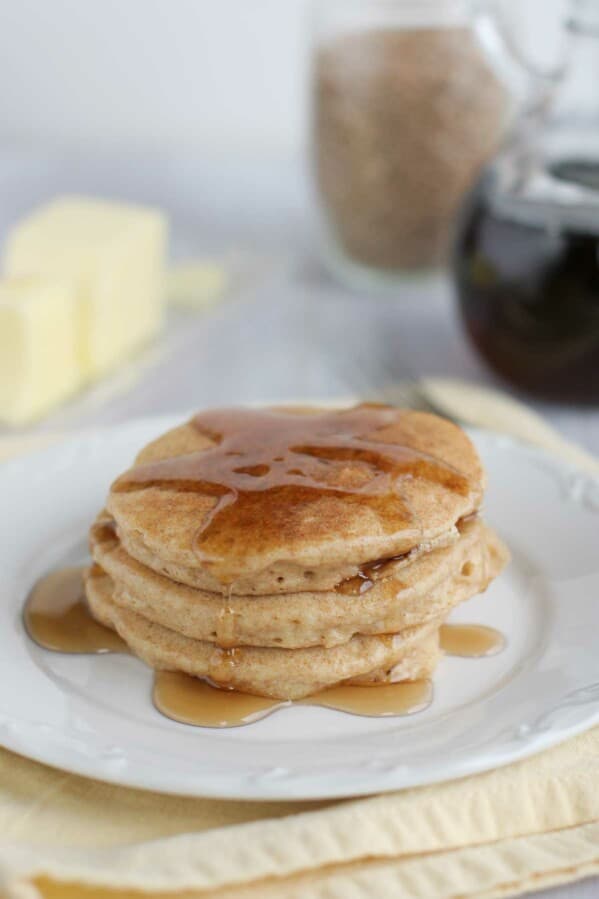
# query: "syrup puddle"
193,701
470,641
56,617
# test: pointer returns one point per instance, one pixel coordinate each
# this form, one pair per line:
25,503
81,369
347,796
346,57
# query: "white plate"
93,714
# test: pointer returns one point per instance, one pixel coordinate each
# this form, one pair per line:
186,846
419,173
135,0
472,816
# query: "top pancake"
263,500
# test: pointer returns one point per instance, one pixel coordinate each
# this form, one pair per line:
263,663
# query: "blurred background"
194,75
320,166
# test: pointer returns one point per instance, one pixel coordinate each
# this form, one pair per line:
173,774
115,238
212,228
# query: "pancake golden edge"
317,547
427,587
266,671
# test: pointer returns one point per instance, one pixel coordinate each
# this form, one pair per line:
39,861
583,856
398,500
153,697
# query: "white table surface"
287,331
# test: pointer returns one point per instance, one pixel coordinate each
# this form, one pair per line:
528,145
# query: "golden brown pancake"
411,593
343,487
278,673
272,581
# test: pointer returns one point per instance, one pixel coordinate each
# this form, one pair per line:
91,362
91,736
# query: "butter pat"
39,366
114,254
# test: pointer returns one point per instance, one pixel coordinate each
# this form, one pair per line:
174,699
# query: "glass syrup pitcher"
526,258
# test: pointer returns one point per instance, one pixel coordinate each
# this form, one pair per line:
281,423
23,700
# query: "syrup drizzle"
57,617
369,574
225,624
263,468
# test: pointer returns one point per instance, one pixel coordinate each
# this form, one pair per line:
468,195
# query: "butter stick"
114,254
39,365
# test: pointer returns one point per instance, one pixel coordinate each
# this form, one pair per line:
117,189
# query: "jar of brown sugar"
406,109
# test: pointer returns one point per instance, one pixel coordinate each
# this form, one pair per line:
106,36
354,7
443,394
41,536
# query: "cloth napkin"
530,825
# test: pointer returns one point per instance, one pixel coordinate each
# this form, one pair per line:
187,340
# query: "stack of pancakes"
279,552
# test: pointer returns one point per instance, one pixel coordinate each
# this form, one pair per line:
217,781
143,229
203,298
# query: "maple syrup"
369,574
377,700
470,640
193,701
225,626
528,292
57,617
197,702
264,466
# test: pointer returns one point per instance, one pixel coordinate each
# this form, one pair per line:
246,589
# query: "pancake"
353,486
412,593
278,673
273,581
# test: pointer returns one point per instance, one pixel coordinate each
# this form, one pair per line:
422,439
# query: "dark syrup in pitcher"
529,292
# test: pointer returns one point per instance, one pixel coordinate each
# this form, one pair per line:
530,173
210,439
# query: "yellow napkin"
514,830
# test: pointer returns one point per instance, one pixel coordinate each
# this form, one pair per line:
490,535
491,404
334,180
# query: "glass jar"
527,255
406,109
